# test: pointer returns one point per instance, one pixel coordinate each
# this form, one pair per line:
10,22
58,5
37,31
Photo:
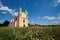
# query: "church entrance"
24,25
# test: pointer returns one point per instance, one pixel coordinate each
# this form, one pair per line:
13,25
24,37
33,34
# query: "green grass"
30,33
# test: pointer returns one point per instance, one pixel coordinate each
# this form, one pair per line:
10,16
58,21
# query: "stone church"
21,20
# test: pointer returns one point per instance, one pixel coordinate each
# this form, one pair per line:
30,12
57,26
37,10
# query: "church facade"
21,20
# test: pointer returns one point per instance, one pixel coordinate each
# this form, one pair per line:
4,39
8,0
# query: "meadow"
30,33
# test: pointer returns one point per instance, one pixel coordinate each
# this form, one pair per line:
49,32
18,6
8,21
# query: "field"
30,33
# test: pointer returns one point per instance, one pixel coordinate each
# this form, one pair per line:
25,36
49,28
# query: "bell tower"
22,18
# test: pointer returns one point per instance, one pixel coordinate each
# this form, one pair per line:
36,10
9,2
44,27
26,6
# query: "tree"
6,23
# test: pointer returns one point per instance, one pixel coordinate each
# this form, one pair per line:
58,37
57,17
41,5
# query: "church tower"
22,18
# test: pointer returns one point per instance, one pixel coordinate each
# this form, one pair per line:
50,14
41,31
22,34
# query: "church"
21,20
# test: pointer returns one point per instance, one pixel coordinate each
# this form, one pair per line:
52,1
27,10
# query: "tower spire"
26,11
20,9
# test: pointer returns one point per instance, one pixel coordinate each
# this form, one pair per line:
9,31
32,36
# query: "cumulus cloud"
49,18
7,9
52,17
57,2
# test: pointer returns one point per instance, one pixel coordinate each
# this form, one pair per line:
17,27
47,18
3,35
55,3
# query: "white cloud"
52,18
57,2
4,12
16,13
49,18
7,9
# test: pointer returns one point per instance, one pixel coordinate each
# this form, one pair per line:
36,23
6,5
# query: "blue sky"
39,11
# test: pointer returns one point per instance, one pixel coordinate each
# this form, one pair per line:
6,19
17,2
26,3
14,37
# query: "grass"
30,33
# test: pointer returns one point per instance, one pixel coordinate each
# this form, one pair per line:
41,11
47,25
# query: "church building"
21,20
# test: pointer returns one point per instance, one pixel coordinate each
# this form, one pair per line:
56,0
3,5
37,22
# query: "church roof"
15,19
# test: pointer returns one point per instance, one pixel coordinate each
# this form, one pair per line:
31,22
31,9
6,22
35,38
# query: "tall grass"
30,33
